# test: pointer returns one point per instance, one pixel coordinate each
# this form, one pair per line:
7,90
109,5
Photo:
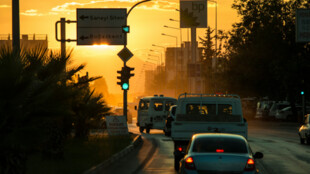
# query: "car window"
158,105
197,109
168,104
225,109
144,105
226,145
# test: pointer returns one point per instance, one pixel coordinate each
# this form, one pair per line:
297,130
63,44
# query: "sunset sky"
146,23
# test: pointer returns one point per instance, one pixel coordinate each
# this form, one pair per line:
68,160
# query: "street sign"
125,54
101,26
193,13
303,25
116,125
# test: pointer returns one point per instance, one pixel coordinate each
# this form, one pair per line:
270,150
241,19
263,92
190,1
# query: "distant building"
183,69
27,42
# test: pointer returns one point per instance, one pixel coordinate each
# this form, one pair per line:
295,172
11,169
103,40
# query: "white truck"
205,113
153,112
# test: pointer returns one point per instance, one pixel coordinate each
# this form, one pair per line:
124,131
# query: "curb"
98,168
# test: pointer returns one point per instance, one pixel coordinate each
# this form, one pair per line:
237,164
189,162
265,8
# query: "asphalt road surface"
279,142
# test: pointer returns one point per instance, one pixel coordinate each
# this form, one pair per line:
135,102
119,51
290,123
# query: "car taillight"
250,165
220,150
189,163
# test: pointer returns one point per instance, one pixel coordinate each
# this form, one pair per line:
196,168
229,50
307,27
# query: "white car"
304,131
287,113
219,153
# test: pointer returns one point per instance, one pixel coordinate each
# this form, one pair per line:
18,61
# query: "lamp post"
214,59
176,29
161,55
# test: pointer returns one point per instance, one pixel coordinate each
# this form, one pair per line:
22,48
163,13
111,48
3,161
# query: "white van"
153,111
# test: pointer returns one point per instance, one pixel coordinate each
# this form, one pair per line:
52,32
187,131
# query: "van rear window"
158,106
210,113
226,145
144,105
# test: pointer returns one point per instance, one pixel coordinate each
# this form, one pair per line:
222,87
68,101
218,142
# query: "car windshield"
216,144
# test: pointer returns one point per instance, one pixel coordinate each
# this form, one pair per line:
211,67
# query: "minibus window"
158,106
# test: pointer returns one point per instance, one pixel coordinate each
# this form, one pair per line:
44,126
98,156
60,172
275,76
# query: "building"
184,71
27,42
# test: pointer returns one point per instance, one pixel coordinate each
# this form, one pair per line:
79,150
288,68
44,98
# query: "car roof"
157,97
217,135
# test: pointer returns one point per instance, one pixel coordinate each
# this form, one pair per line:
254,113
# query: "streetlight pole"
161,56
15,26
214,59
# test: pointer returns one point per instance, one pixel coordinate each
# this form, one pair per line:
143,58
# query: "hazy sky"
146,25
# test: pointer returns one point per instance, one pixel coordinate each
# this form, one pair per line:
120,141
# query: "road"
278,141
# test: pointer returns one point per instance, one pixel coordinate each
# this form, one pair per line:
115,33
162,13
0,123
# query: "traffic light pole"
125,100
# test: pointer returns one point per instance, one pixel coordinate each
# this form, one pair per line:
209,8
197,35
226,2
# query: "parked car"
277,106
262,108
169,120
219,153
304,130
287,113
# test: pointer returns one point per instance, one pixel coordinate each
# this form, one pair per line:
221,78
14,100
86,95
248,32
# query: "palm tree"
36,105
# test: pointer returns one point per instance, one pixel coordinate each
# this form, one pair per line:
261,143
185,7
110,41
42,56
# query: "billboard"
303,25
193,13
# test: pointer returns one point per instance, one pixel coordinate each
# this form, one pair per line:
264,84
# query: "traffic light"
125,75
125,29
302,92
121,77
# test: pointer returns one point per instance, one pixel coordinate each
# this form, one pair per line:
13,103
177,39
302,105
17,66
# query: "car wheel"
176,164
141,129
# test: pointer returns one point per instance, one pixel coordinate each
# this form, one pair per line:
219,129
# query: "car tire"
141,129
176,164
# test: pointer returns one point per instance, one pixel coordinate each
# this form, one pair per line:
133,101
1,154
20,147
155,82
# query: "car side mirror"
135,107
258,155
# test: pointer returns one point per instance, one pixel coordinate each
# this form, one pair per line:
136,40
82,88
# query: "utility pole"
63,36
15,26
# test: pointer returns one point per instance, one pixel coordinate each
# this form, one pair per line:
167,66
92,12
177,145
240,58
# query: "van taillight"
250,165
189,163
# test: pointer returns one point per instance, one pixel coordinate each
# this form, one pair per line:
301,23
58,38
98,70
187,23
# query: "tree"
213,76
265,60
36,105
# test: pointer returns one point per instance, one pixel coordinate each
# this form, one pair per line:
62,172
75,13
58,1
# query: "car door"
305,127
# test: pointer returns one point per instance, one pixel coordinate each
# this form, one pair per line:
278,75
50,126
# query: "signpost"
303,25
116,125
101,26
193,13
108,26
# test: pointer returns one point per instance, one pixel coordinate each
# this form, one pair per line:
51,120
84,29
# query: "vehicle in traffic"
153,112
287,113
304,130
262,108
169,120
219,153
205,113
276,107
